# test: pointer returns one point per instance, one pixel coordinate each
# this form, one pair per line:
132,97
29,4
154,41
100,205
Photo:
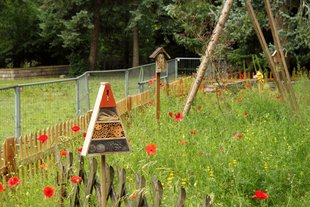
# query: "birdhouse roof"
158,51
274,53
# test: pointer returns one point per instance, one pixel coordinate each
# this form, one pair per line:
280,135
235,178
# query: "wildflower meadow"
242,147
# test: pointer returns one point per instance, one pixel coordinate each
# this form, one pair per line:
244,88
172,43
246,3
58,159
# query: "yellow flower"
183,181
235,163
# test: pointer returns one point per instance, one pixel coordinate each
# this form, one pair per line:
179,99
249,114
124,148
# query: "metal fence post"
17,113
126,83
176,68
141,78
87,91
77,91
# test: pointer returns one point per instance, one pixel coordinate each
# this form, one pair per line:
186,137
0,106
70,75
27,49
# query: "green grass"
49,104
271,155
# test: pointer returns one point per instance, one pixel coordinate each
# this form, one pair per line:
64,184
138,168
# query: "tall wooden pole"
264,46
276,39
157,89
103,182
208,53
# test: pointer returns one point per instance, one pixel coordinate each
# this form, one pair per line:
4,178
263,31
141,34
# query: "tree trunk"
135,52
95,36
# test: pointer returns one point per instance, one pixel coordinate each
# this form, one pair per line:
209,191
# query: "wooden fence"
27,155
117,193
29,152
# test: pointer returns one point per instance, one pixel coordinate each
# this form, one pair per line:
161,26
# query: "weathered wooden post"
105,133
160,56
9,155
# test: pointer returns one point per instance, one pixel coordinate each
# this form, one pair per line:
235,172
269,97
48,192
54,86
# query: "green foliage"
19,33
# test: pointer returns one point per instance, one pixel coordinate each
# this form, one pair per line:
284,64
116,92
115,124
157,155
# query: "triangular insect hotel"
105,133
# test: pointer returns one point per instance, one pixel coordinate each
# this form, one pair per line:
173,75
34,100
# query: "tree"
19,42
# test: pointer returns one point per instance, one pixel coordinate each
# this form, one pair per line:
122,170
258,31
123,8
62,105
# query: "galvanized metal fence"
25,108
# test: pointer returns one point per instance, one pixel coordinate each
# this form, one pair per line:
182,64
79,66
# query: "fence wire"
7,112
26,108
46,104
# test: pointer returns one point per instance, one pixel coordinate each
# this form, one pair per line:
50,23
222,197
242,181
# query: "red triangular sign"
107,99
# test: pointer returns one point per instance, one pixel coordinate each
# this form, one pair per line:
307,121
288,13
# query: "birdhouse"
105,133
160,56
276,56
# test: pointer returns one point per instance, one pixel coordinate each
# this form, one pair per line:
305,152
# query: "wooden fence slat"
110,189
158,191
91,180
181,199
208,201
140,186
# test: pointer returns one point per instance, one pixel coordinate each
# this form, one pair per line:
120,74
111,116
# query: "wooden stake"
209,52
264,46
287,79
103,182
157,89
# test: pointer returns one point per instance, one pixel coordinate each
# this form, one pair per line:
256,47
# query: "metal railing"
26,108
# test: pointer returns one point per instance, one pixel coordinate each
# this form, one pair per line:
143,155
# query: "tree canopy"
55,32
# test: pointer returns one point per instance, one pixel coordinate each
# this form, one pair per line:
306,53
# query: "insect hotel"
105,133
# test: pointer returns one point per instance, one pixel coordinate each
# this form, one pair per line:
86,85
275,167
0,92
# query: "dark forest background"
102,34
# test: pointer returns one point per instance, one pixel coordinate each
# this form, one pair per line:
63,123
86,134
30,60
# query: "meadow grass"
49,104
230,145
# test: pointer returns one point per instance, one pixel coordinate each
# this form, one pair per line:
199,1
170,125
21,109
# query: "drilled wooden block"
108,130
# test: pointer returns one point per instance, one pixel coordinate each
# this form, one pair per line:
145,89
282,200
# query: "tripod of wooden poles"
279,69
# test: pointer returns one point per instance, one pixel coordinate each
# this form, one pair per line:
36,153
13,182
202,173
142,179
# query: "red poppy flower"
14,181
260,195
278,97
199,108
241,76
239,135
151,102
42,166
155,76
43,138
150,149
239,99
247,85
84,134
178,117
75,128
245,114
162,84
80,149
222,148
49,191
2,189
63,153
193,132
151,82
134,196
219,94
184,141
242,93
170,114
76,179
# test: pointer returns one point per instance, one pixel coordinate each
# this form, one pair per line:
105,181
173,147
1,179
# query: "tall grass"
230,145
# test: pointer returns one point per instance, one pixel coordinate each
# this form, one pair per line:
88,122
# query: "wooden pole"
264,46
208,53
9,155
157,89
103,182
276,39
